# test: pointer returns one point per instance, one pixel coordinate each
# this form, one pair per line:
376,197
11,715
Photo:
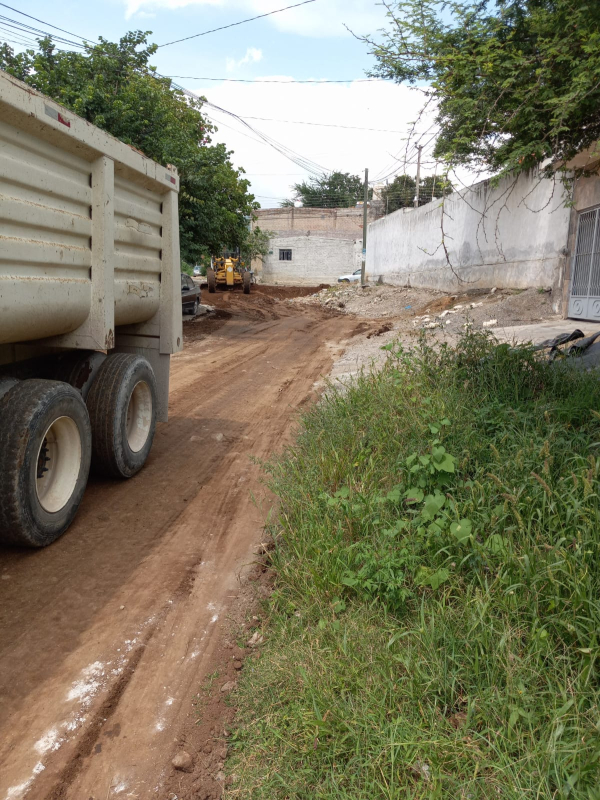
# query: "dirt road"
106,636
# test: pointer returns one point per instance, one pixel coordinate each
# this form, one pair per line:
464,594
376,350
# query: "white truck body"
89,240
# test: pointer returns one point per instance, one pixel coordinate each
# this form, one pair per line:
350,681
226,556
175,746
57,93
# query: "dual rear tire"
49,439
122,408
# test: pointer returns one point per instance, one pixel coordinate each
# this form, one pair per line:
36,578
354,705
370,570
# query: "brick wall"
343,220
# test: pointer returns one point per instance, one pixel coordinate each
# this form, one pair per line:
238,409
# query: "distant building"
311,245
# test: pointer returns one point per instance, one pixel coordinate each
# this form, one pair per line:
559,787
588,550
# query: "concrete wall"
315,259
512,236
302,220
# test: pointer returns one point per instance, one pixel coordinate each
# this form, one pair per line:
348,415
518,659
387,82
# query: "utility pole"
364,248
419,148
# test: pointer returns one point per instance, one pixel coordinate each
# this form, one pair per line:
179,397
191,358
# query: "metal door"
584,302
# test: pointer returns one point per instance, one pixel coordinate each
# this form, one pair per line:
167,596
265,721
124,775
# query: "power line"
260,80
233,24
23,28
282,174
325,125
305,163
23,14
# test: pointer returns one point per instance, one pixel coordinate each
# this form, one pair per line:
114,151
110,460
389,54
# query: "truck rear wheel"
211,279
122,408
246,279
45,450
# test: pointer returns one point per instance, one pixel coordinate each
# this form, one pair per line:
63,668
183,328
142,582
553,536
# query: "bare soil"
408,306
116,641
403,312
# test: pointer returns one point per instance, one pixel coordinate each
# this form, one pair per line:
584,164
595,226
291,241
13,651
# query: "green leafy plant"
514,82
434,633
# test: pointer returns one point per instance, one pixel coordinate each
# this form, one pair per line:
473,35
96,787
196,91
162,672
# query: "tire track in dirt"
150,568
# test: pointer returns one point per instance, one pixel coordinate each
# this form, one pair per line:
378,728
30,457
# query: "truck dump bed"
89,238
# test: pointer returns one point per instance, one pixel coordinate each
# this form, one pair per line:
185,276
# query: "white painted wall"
510,236
315,260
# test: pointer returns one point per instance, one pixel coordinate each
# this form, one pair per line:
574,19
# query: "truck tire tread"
106,405
20,408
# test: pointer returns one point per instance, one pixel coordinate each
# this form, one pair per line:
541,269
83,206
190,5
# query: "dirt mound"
439,304
287,292
503,308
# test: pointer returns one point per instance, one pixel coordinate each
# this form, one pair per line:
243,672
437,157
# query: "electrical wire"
23,14
234,24
305,163
21,31
291,80
324,125
28,29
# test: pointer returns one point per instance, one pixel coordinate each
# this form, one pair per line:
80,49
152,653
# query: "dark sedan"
190,295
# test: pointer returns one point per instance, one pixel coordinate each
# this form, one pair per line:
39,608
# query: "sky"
313,42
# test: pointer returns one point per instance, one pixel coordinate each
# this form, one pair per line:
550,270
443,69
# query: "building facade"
310,259
310,245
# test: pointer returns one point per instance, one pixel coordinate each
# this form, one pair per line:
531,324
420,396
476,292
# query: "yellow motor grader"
227,273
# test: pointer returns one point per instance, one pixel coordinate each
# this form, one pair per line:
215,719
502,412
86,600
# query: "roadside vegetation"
434,627
513,82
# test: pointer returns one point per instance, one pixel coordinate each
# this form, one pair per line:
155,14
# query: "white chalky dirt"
88,686
51,740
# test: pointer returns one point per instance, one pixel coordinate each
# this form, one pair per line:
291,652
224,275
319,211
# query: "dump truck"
90,309
228,273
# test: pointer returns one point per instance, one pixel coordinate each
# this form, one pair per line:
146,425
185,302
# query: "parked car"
353,277
190,295
197,271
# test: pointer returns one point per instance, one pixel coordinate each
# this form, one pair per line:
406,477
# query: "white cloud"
379,105
253,56
324,18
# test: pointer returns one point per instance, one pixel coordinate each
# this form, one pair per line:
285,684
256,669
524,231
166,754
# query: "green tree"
255,245
336,190
400,193
113,86
515,82
432,187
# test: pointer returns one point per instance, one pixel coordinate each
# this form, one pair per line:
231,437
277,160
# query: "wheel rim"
139,416
59,464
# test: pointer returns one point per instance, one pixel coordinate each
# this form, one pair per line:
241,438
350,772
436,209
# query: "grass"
434,628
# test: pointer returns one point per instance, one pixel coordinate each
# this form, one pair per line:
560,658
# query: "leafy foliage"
255,244
515,81
336,190
400,193
113,86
